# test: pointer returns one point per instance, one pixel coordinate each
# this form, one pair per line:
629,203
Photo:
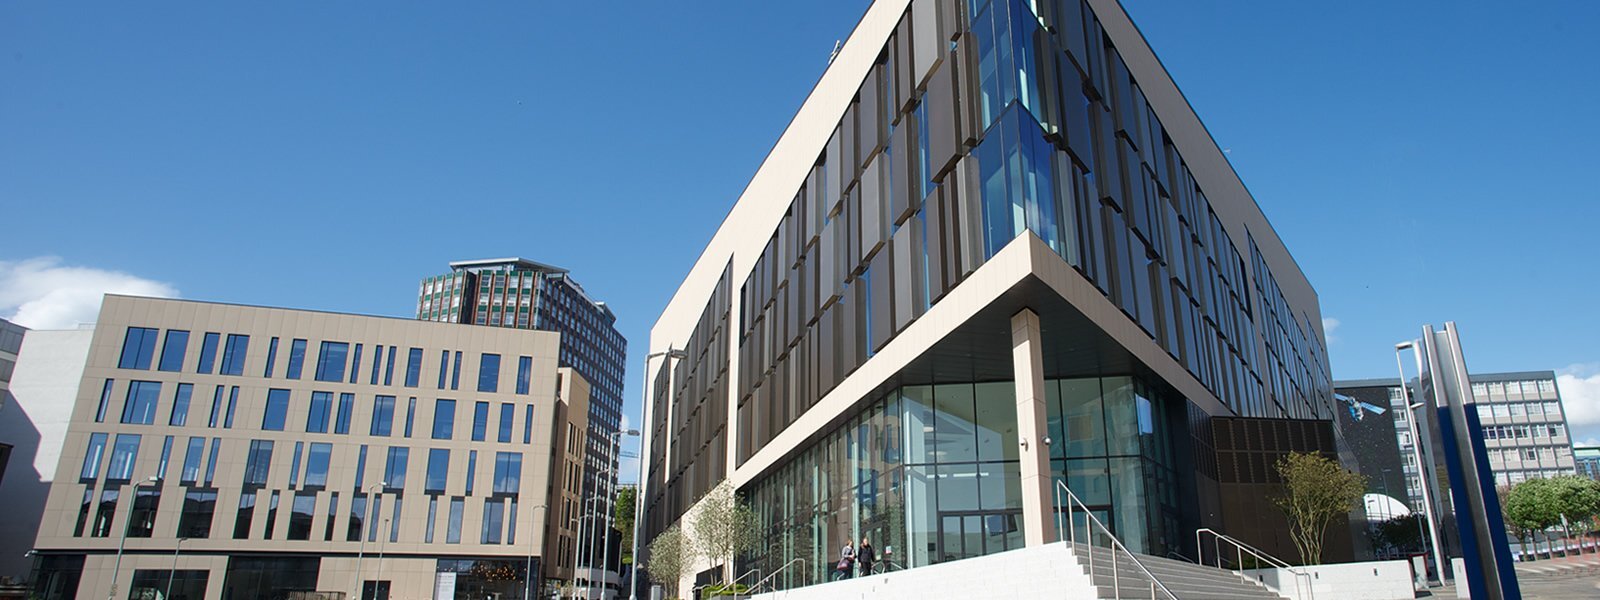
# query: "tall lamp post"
1416,450
361,554
377,580
174,573
576,524
611,505
533,543
644,458
117,570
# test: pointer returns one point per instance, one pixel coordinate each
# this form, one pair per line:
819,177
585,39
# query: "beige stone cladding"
521,417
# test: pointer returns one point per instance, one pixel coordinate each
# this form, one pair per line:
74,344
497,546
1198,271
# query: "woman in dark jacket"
865,556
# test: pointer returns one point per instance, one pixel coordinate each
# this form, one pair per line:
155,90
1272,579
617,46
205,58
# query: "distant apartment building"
517,293
235,451
1586,460
10,344
1523,426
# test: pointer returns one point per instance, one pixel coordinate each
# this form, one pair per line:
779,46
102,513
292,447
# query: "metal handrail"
1090,522
696,590
755,589
1240,548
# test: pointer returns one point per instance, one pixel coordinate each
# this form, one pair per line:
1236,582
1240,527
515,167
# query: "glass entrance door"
969,534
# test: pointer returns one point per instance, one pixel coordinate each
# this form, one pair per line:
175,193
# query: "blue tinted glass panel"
216,408
413,367
258,462
480,421
208,352
180,405
191,460
472,469
455,373
489,373
294,465
355,363
394,468
233,354
277,410
508,417
527,425
507,472
388,368
382,415
211,460
331,361
347,406
93,457
317,464
173,350
524,373
452,534
438,470
233,405
124,455
138,347
166,458
377,361
411,414
493,520
297,358
105,402
140,405
272,357
361,467
444,419
321,409
444,367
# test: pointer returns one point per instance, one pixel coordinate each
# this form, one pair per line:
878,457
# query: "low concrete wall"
1040,572
1377,580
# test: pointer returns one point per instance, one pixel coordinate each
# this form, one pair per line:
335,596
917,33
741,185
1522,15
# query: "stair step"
1186,580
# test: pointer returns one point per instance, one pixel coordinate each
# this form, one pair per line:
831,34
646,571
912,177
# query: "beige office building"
225,451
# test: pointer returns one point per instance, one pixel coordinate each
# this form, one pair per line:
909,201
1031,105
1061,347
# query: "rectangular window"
388,368
105,513
277,410
294,464
297,358
413,367
216,407
394,468
524,374
246,514
173,351
317,461
272,516
83,511
472,469
493,520
444,419
199,508
438,470
411,414
480,421
455,373
444,367
355,363
208,353
139,408
191,461
361,468
138,348
142,519
508,417
333,515
300,514
258,463
211,460
331,361
166,458
321,409
272,357
358,514
341,419
377,361
507,472
372,518
511,522
233,403
382,415
124,455
452,534
489,373
394,519
233,354
180,405
527,425
433,517
105,402
93,457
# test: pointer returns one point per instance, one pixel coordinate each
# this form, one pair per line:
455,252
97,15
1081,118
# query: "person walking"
866,556
847,561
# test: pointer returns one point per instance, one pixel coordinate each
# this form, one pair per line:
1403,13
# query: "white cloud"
42,293
1330,325
1580,393
627,423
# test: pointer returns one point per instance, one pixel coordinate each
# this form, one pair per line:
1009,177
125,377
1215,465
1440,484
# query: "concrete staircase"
1186,581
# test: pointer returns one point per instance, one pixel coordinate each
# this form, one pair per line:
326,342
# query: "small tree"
1316,490
624,517
1513,526
1540,504
671,557
725,526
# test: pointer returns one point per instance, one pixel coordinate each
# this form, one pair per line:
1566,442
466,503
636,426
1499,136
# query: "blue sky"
1423,161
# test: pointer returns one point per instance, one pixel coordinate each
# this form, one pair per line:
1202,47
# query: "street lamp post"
174,573
377,580
533,543
361,554
611,506
117,569
1416,451
638,492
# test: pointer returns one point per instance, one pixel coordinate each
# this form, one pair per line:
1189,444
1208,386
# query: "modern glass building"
994,252
245,452
1587,461
518,293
